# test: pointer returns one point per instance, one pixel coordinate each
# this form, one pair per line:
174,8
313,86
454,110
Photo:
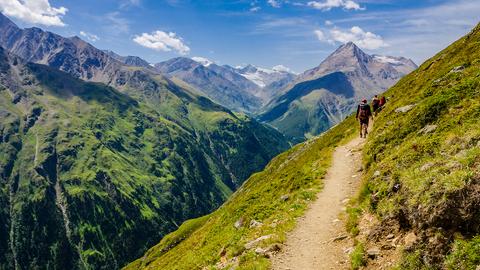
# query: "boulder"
405,109
428,129
255,242
239,223
410,240
255,224
457,69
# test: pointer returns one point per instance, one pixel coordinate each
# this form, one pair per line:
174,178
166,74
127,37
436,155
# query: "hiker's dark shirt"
367,107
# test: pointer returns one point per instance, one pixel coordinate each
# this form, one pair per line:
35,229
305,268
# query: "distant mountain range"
242,89
221,84
325,95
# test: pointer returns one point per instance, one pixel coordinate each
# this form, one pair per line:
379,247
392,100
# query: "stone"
405,109
255,224
396,187
261,251
390,236
410,240
339,238
284,197
427,166
239,223
255,242
428,129
373,253
376,174
457,69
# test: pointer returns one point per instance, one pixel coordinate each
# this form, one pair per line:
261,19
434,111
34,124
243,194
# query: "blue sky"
294,33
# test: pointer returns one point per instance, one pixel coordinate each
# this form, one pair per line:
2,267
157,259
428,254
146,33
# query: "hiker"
383,100
363,116
375,104
381,104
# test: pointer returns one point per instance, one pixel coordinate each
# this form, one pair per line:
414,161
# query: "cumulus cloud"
162,41
329,4
34,11
363,39
89,36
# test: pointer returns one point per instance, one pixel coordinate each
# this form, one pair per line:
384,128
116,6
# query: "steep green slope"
422,175
90,177
424,163
266,205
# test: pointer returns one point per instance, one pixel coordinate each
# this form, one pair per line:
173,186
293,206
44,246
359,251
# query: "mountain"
134,61
218,83
419,201
325,95
94,173
269,80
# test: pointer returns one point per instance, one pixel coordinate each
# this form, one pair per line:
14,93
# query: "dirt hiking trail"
319,239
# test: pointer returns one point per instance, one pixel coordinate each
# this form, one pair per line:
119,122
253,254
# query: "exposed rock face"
324,95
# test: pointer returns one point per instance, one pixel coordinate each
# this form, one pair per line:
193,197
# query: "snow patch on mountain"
264,76
256,78
387,59
202,60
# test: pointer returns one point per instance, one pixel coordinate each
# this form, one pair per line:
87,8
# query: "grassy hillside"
423,164
422,175
90,177
266,205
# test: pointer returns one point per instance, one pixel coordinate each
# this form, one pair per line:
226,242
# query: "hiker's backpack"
363,113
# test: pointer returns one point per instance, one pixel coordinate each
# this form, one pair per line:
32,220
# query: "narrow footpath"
319,239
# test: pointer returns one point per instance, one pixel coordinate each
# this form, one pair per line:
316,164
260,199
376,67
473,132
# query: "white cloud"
162,41
274,3
363,39
329,23
254,9
34,11
89,36
329,4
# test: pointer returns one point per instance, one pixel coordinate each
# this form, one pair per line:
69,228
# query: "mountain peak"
350,48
